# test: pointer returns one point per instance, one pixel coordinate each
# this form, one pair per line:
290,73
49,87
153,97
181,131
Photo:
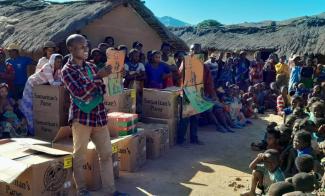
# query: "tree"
208,24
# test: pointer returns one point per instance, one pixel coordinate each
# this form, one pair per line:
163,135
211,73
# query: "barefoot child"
266,171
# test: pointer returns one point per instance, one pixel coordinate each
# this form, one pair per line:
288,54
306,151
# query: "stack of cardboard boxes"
50,109
162,107
63,141
25,160
30,168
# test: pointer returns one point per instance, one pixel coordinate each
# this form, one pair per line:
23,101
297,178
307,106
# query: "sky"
234,11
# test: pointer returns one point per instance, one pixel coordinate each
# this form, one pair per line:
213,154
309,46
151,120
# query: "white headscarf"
52,59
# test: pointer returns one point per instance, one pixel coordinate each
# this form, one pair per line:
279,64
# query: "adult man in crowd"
20,64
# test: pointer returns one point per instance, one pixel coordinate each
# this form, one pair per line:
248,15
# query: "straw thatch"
300,35
32,22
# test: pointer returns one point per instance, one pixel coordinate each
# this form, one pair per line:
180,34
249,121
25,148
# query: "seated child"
307,164
298,113
237,116
302,143
316,92
319,135
271,93
316,110
260,95
304,182
250,109
13,124
254,75
266,171
281,80
263,144
249,102
282,101
273,140
302,92
281,188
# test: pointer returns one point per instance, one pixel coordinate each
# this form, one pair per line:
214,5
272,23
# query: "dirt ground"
220,167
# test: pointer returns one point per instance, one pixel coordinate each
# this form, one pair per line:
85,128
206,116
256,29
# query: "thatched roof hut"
300,35
32,22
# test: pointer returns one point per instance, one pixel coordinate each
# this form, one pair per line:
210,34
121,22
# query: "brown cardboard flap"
63,133
5,141
48,151
10,169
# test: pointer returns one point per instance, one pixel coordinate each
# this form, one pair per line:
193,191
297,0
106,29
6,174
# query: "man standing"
87,114
213,67
20,64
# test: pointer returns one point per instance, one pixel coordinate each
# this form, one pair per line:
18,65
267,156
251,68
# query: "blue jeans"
184,122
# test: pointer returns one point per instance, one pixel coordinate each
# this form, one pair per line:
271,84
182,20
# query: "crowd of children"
293,159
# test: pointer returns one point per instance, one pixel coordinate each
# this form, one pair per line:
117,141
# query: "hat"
242,52
294,57
213,55
49,44
13,46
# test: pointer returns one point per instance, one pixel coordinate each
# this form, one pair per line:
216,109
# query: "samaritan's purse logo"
54,177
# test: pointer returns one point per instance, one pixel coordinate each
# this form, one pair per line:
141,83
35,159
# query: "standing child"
135,75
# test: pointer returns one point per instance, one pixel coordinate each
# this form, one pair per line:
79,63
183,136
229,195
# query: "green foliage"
209,24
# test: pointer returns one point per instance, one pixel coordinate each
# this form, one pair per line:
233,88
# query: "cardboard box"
157,139
63,141
124,102
34,170
50,99
121,124
160,103
132,152
172,127
47,125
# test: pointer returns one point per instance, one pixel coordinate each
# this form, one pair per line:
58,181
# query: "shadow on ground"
198,169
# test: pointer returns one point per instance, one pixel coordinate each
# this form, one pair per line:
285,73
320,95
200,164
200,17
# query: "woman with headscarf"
48,50
49,73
